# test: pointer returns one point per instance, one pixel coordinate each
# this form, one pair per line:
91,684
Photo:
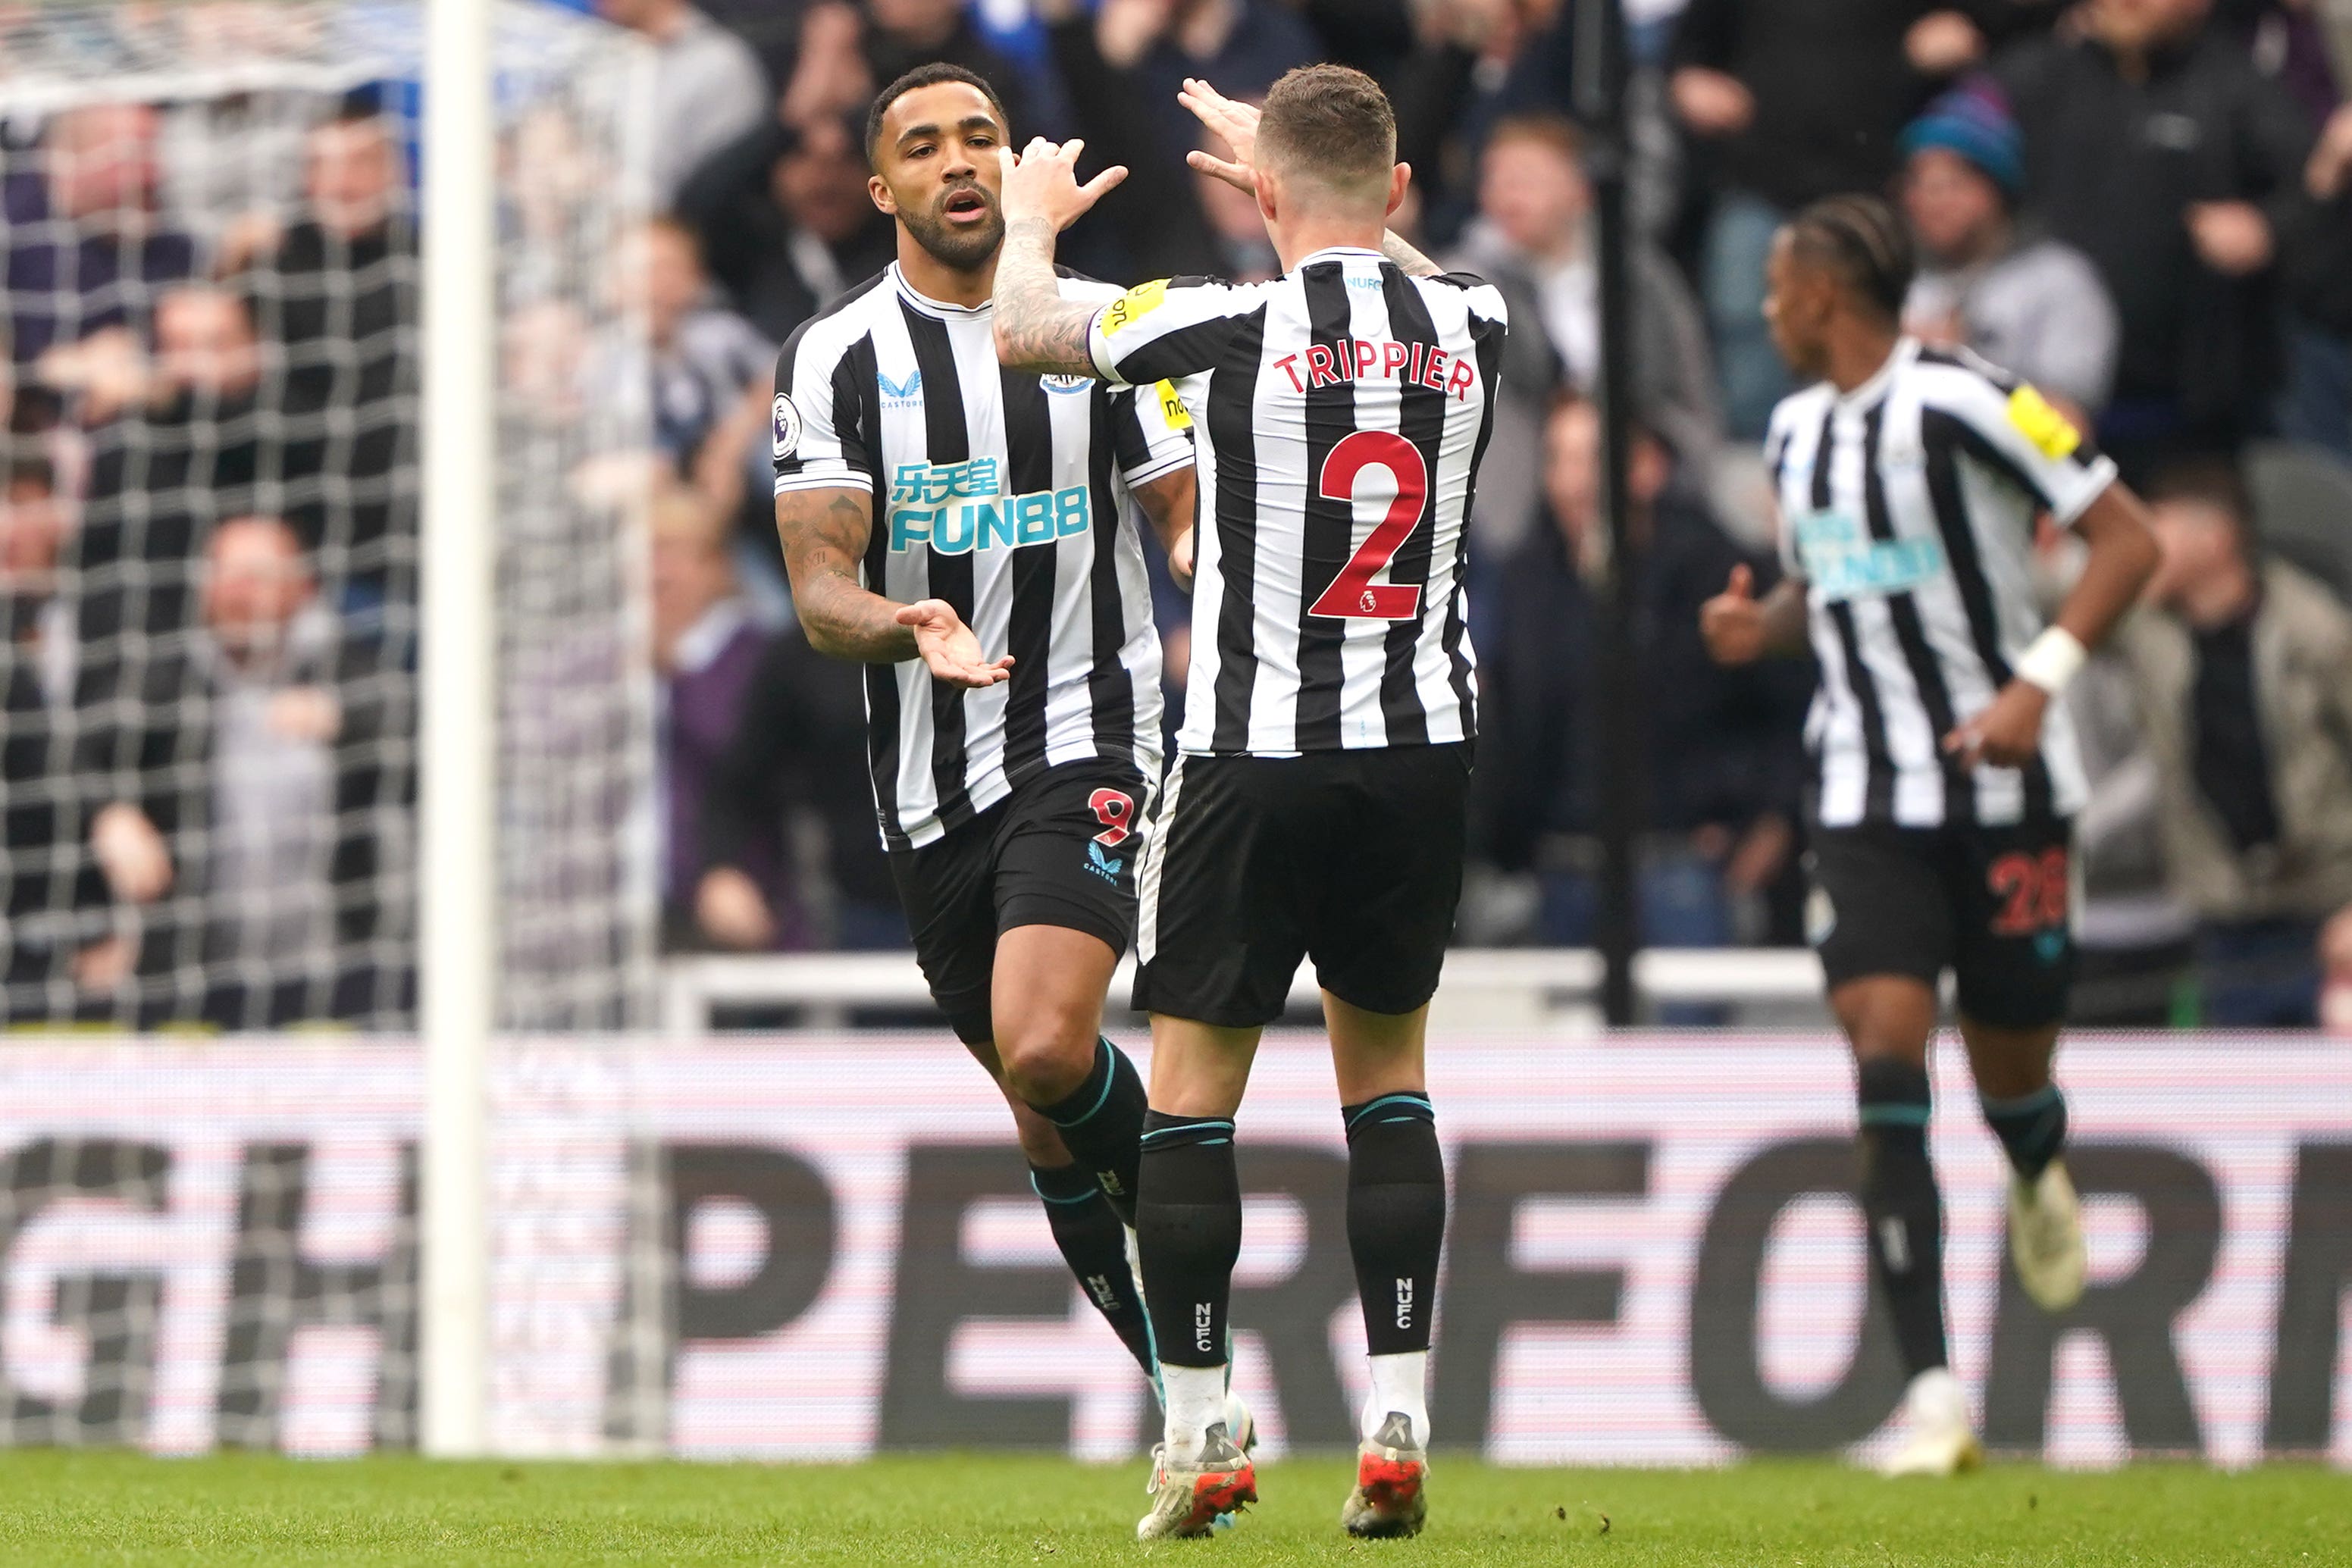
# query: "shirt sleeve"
1174,326
814,432
1480,297
1087,290
1151,431
2018,429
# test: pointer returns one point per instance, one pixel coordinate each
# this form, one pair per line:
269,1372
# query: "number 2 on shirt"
1353,595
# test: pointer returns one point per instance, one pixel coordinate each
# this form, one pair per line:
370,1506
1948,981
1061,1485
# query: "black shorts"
1994,905
1354,857
1058,850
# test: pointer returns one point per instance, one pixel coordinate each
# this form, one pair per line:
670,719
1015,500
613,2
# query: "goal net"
209,541
209,569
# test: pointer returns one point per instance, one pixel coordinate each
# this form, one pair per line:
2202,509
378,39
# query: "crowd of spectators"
2139,205
2143,205
207,529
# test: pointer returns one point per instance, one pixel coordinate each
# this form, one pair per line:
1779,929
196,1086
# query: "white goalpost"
457,896
327,286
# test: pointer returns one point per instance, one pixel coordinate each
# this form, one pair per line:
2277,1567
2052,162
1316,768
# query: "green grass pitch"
93,1508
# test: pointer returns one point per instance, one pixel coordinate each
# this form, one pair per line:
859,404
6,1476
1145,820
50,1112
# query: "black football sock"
2032,1127
1906,1215
1094,1244
1187,1225
1102,1124
1396,1217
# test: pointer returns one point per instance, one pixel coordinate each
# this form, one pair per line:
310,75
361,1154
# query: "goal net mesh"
209,541
209,565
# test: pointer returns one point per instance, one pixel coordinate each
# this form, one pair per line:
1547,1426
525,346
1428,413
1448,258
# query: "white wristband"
2052,660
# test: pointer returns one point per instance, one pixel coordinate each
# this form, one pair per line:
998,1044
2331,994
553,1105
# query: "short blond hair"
1330,123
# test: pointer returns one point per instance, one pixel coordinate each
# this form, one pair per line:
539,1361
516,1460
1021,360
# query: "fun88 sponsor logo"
956,509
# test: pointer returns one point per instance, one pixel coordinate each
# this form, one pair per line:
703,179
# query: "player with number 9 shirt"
1317,806
933,506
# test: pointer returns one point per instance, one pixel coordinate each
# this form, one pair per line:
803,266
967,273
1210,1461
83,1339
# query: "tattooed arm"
824,534
1405,258
1037,330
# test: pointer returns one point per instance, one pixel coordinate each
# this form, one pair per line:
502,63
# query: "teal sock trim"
1192,1126
1045,1196
1408,1097
1151,1343
1103,1056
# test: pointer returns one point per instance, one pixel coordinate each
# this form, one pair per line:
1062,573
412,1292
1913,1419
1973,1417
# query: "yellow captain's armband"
1171,407
1140,301
2051,431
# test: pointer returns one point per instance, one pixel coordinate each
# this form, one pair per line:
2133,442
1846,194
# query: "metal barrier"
1484,987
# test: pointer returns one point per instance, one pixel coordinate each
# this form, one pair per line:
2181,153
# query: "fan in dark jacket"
57,948
162,473
1720,757
2154,147
1788,101
336,291
784,221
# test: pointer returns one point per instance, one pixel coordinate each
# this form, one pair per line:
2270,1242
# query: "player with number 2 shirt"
1316,808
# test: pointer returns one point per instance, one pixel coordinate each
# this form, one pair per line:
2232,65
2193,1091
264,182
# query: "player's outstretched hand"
1043,182
2007,734
1235,123
948,647
1732,622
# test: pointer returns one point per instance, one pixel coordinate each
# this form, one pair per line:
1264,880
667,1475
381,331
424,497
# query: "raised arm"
1404,258
825,533
1236,122
1037,330
1158,211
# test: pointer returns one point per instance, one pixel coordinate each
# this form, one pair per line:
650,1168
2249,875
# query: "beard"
960,248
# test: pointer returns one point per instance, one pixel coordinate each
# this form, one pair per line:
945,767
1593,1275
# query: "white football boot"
1938,1441
1391,1495
1241,1425
2045,1237
1187,1498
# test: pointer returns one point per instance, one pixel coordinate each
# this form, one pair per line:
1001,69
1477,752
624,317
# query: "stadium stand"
211,315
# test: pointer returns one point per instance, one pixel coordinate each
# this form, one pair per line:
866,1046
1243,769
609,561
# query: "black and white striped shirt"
1908,506
1341,418
1007,496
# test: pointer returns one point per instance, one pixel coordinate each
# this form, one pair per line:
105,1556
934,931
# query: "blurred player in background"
1909,481
933,506
1318,804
